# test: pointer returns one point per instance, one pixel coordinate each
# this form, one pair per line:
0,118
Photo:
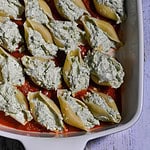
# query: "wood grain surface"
135,138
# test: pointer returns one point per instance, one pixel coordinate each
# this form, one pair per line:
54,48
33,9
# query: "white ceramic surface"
131,56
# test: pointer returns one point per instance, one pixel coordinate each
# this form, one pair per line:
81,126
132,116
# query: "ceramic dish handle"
54,144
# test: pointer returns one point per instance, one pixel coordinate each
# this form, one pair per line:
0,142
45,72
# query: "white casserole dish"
132,57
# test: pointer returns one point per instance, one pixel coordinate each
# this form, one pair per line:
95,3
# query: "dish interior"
127,98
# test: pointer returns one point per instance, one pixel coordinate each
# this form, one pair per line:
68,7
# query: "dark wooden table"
9,144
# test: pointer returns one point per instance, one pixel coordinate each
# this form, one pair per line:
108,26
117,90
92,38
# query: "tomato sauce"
54,11
84,50
17,55
29,86
91,9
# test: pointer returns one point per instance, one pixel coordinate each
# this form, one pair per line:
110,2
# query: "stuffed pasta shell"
112,9
100,34
102,106
14,103
39,40
75,72
11,8
45,111
66,34
70,9
105,70
38,11
10,69
12,40
75,112
42,72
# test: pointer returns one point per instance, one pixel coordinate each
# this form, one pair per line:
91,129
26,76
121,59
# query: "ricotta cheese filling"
82,112
79,75
116,5
95,98
34,12
11,71
98,38
105,68
10,105
70,10
67,33
10,37
12,8
43,73
38,47
45,116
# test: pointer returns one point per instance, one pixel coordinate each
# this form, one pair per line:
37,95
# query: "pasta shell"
45,111
80,4
100,34
10,69
3,19
108,29
42,72
4,53
40,28
66,34
39,40
12,9
105,70
75,72
43,5
14,103
12,41
40,11
113,10
102,106
3,14
75,112
70,9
